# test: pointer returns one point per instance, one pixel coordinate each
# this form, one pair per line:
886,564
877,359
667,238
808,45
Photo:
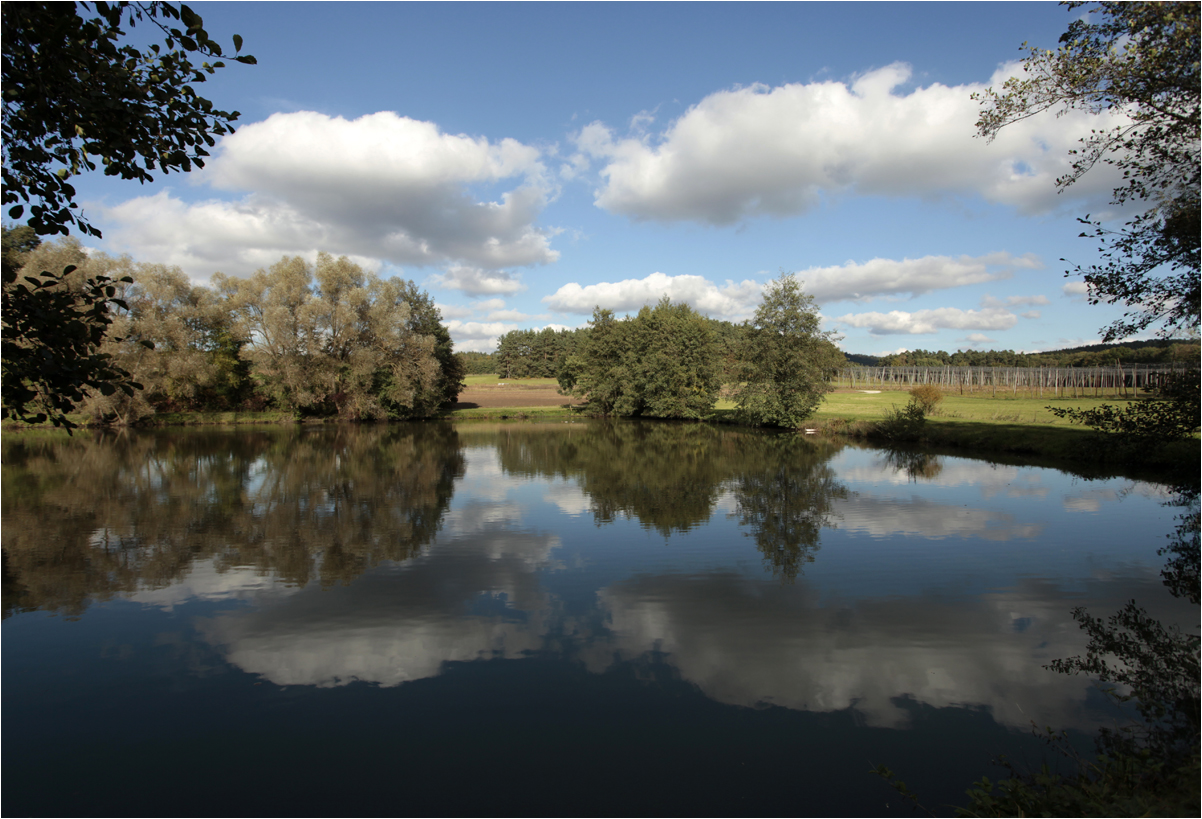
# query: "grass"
493,413
850,406
1019,428
1016,426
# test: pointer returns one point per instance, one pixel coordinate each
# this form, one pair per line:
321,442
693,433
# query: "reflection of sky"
744,644
953,592
205,581
400,622
953,589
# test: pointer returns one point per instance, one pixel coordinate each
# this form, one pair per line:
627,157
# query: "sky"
526,163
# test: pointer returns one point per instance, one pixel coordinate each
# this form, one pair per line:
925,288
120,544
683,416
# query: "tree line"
1102,355
669,361
323,339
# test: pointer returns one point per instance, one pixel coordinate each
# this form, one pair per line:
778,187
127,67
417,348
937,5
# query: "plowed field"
511,395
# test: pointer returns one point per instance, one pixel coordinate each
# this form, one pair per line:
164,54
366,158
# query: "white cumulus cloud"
732,301
899,322
382,185
453,311
763,151
864,281
476,282
477,336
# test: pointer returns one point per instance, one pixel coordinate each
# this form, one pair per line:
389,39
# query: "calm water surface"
581,618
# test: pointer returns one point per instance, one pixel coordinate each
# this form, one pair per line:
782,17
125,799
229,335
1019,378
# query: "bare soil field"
511,395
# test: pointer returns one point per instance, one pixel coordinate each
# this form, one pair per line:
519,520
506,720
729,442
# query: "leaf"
237,42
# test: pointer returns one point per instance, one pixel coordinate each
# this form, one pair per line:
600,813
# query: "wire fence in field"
1061,382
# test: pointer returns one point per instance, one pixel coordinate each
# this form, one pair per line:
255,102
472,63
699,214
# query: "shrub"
903,424
926,396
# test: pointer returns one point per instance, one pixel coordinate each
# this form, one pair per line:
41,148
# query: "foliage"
1123,786
1139,59
904,424
18,242
332,339
534,353
1172,415
181,321
474,363
926,396
425,319
674,361
74,93
663,363
787,361
54,326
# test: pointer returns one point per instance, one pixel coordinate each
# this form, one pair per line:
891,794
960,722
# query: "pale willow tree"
161,328
333,339
81,271
165,338
787,360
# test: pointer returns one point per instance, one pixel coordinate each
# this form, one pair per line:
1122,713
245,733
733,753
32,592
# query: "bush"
903,424
926,396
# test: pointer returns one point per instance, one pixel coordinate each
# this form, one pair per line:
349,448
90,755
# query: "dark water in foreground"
562,619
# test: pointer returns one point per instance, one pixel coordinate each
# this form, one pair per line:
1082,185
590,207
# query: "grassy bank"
504,413
1013,427
1017,428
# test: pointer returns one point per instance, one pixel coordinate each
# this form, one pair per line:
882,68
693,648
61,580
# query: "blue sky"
526,162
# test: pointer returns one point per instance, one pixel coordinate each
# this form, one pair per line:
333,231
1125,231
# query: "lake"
560,618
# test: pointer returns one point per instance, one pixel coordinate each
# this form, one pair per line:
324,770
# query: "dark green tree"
663,363
674,361
598,371
787,361
426,319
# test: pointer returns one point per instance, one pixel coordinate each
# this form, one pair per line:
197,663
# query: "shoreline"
1006,440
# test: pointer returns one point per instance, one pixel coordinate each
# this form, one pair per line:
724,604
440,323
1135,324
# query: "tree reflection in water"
916,463
93,517
671,476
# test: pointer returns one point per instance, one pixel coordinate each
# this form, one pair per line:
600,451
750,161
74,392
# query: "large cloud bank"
381,186
761,151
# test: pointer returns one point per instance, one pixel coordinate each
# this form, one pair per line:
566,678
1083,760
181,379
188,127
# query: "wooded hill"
1158,351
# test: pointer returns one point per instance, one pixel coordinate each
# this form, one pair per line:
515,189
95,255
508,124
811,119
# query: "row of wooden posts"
1074,382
